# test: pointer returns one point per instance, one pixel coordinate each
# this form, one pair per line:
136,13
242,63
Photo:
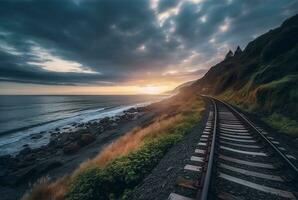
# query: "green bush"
121,175
283,124
271,97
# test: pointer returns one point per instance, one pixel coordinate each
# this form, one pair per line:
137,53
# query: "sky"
123,46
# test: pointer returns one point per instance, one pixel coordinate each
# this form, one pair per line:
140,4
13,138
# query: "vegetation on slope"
123,164
263,78
282,123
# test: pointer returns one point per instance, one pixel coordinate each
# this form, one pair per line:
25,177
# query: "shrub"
123,173
283,124
123,164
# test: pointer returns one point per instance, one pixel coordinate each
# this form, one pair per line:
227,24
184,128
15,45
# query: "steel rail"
205,189
273,146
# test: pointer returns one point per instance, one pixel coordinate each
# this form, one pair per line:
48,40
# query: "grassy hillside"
123,164
179,88
263,78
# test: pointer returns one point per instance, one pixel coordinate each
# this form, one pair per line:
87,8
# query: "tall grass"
121,165
44,189
270,110
131,141
282,124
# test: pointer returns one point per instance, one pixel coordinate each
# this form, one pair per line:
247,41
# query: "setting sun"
99,92
149,89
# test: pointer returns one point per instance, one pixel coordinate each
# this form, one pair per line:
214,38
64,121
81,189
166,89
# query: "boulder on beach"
131,110
71,148
81,125
5,159
36,136
25,151
105,120
86,139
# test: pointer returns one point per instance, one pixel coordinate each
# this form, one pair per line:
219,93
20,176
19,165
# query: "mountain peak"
245,78
229,55
238,51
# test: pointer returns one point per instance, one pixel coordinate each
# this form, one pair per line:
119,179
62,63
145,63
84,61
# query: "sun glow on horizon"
150,89
133,89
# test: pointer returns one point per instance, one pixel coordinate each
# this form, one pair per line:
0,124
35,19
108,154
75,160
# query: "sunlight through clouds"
127,42
142,48
225,26
151,89
49,62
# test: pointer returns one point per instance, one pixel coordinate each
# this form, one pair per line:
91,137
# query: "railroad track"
236,160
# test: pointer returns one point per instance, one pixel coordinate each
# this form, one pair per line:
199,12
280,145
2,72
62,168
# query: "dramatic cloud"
108,42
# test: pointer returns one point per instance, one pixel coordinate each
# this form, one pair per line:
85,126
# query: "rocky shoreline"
64,148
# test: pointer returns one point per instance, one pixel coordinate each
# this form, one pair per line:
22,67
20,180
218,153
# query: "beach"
63,149
30,120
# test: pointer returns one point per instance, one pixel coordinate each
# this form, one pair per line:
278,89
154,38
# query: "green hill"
263,77
177,89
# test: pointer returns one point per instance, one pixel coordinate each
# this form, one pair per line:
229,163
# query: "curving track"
236,160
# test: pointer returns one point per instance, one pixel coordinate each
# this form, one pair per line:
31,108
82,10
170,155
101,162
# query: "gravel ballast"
161,182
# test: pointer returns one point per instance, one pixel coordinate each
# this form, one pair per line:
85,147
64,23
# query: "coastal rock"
81,125
72,136
53,134
8,180
71,148
44,167
29,172
143,109
9,162
25,151
93,130
98,130
30,157
114,124
135,117
52,143
86,139
63,139
5,159
3,172
36,136
105,120
23,164
131,110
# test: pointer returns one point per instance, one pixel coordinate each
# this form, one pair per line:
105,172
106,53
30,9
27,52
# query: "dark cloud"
13,69
246,19
121,39
165,5
104,35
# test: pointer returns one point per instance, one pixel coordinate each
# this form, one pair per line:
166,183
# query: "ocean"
23,116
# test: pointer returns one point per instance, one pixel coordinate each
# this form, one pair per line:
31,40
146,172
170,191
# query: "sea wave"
14,141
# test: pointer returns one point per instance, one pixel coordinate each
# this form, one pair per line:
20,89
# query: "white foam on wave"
13,143
114,112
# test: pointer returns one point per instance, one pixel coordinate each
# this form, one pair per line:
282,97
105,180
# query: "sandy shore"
66,150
